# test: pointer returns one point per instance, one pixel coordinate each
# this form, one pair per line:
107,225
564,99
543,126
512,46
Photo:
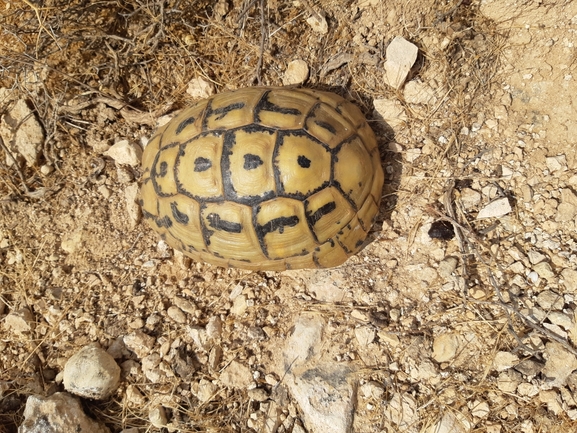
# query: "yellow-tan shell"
264,178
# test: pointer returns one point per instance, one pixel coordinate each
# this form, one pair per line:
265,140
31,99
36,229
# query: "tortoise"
264,178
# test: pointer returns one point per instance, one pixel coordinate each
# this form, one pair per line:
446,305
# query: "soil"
441,314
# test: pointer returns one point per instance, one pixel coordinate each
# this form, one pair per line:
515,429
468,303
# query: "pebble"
479,409
416,92
556,163
176,314
296,72
199,88
104,191
559,365
447,267
536,257
504,361
569,280
325,393
318,23
305,340
470,198
549,300
508,381
214,328
495,209
139,342
390,111
258,394
400,58
60,412
528,389
205,391
552,400
21,130
125,153
445,347
372,389
545,271
157,416
452,422
20,321
134,396
561,319
365,335
402,411
236,375
92,373
529,368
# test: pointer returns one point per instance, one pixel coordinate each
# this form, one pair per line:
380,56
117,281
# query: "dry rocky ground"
476,333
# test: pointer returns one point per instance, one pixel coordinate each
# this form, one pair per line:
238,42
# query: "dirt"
77,269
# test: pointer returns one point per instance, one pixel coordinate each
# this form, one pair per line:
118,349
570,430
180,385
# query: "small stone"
549,300
139,342
445,347
104,191
552,400
561,319
390,111
257,394
569,280
20,321
305,340
21,130
199,88
239,305
236,375
402,410
60,412
416,92
296,72
504,361
157,417
447,267
372,389
452,422
529,368
508,381
470,198
495,209
556,163
545,271
400,58
559,365
205,391
365,335
46,169
176,314
91,373
214,328
479,409
536,257
185,305
318,23
126,153
528,389
134,396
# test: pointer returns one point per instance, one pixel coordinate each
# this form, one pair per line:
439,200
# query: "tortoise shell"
264,178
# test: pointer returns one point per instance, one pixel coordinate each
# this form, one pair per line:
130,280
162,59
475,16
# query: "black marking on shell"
163,169
202,164
164,222
179,216
252,161
327,126
277,224
219,224
320,212
219,113
265,105
359,243
303,161
184,124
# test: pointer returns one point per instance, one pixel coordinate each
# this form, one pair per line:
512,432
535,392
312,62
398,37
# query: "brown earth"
76,269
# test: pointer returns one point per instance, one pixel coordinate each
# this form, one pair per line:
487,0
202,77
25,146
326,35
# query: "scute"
264,178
